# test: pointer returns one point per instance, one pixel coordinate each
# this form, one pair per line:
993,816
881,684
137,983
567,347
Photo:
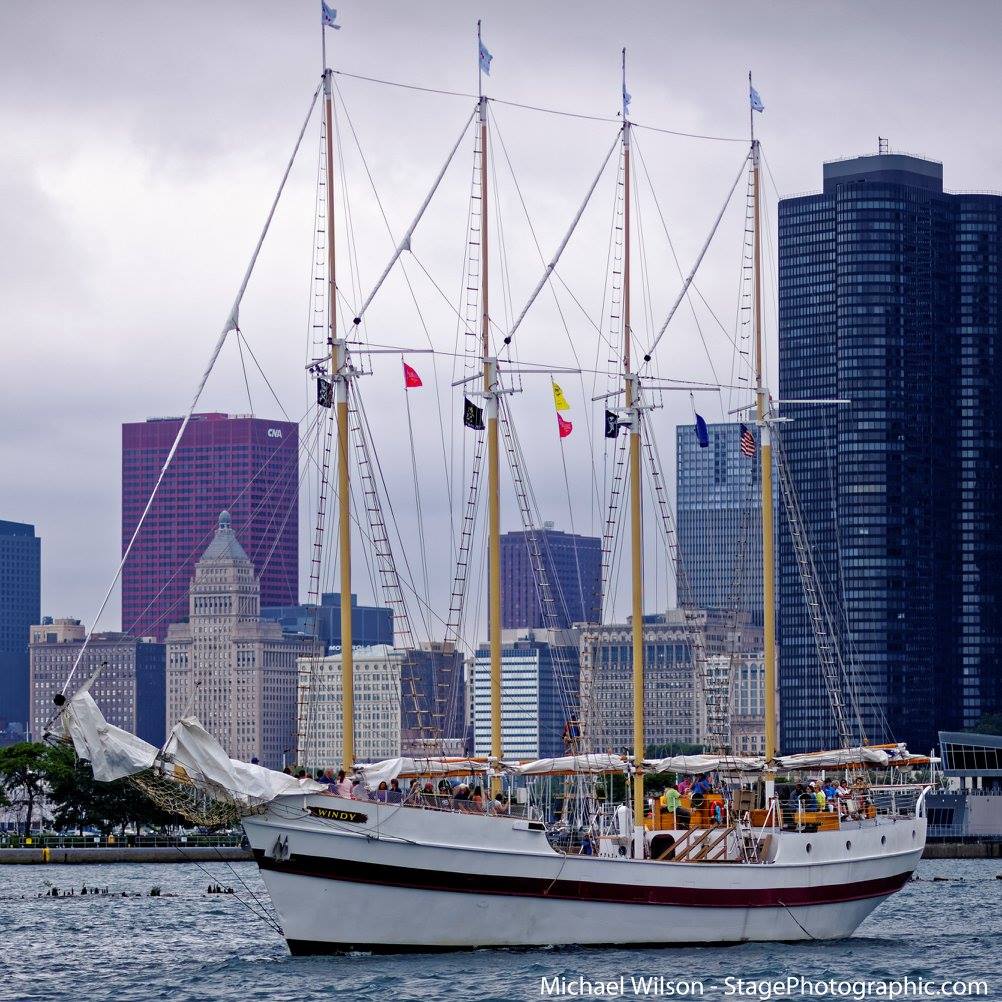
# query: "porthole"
883,840
808,846
848,846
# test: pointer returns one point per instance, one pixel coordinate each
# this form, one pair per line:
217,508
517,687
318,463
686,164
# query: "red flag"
411,378
564,427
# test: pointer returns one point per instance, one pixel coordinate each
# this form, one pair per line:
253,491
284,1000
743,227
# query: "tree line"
49,783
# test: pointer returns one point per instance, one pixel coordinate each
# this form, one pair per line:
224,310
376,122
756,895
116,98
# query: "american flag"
747,442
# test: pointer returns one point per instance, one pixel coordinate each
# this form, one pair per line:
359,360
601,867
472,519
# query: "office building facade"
540,678
229,668
719,512
245,465
674,698
130,685
20,607
890,299
377,692
574,567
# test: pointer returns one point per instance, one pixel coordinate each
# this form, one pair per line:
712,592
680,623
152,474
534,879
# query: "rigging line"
410,288
262,915
533,107
243,368
231,324
417,498
567,236
285,413
248,888
678,265
405,243
549,269
699,260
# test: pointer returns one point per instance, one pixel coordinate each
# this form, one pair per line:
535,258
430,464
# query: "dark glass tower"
20,609
889,296
719,509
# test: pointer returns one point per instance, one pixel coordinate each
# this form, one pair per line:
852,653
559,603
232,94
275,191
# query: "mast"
765,459
631,392
340,373
493,464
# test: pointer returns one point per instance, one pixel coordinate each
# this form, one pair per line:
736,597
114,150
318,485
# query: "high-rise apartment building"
20,607
719,511
245,465
227,666
129,687
574,567
890,298
539,692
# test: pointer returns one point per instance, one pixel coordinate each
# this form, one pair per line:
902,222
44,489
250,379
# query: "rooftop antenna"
882,146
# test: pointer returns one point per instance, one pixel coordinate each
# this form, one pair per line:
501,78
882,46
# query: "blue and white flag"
702,433
756,101
329,16
485,59
626,99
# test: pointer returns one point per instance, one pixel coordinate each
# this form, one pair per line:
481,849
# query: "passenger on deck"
703,786
343,785
671,803
819,795
381,793
394,795
478,796
359,791
329,780
685,786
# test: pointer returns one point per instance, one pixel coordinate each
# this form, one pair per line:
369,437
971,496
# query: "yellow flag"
559,400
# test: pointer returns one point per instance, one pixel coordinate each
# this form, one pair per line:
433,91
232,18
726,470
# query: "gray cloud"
142,144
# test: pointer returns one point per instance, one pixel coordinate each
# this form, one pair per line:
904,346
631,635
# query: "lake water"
188,945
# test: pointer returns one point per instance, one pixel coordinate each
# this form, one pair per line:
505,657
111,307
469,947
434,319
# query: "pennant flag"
411,378
626,99
756,101
559,400
702,434
564,427
747,442
329,16
485,59
473,416
325,392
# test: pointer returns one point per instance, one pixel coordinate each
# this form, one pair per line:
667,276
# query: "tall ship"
572,849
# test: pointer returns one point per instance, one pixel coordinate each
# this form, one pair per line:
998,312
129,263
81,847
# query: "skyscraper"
539,690
574,565
20,607
719,510
890,298
246,465
225,665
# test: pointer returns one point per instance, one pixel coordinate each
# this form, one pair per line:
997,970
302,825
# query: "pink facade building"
245,465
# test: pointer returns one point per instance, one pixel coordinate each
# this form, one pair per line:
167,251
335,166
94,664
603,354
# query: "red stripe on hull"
580,890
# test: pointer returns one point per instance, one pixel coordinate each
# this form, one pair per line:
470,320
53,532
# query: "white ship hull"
410,879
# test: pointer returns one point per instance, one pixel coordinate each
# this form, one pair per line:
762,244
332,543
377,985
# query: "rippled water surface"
188,944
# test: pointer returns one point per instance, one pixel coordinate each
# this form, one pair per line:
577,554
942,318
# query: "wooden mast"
493,459
765,459
340,374
636,510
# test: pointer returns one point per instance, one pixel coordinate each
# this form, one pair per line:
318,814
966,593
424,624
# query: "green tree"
990,723
22,777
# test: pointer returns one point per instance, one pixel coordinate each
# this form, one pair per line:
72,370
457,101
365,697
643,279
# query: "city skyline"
182,166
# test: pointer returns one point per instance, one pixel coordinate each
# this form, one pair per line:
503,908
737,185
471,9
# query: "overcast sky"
142,143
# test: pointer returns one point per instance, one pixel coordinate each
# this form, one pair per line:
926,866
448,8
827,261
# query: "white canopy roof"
375,773
596,763
699,764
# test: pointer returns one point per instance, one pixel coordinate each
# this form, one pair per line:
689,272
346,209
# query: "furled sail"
191,755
